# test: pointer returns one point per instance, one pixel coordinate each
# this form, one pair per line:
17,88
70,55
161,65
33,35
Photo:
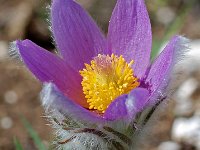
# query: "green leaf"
33,134
17,144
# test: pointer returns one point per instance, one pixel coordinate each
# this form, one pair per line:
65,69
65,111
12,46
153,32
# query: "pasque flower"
97,88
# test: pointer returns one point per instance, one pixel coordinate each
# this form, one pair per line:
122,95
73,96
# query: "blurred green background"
19,91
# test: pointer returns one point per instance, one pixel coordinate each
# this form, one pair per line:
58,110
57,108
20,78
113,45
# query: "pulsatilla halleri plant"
100,92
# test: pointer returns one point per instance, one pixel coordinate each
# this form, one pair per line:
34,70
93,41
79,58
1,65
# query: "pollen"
106,78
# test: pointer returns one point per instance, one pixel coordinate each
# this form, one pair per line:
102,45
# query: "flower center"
106,78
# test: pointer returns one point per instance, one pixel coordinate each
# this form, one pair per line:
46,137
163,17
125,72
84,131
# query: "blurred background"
22,121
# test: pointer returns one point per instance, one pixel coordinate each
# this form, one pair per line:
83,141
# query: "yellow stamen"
106,78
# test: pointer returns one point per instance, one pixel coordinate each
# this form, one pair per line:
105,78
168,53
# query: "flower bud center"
106,78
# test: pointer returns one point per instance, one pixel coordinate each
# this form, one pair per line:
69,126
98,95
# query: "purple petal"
161,70
53,99
117,109
127,105
47,67
130,34
77,36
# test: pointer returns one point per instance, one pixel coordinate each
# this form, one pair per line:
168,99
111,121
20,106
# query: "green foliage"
33,134
17,144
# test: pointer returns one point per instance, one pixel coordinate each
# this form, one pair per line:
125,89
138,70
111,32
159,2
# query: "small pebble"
6,122
10,97
168,13
186,130
169,145
184,106
186,89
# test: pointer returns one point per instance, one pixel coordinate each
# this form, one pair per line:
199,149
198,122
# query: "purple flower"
97,79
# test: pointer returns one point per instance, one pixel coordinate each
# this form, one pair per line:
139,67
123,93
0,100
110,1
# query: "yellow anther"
106,78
